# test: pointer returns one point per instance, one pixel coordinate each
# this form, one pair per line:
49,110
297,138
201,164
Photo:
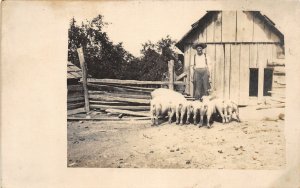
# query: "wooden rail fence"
125,97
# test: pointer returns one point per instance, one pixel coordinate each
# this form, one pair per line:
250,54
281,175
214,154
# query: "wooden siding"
227,70
244,26
219,78
235,26
229,31
244,75
236,42
235,72
217,28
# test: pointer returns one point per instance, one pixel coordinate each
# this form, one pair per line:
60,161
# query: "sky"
136,22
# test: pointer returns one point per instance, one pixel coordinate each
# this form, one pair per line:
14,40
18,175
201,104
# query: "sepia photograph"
214,98
183,94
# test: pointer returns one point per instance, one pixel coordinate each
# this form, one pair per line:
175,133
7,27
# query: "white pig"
159,107
231,107
178,106
164,92
221,108
193,107
208,108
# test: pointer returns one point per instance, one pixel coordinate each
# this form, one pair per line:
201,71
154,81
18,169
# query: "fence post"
171,74
84,79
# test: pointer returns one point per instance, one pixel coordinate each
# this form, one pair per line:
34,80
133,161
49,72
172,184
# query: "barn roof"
73,71
207,17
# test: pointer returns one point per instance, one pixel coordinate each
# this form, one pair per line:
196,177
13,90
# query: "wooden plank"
228,26
75,88
132,82
84,78
187,64
75,99
107,119
75,111
183,75
279,69
114,94
271,106
202,34
105,107
235,73
274,37
118,99
128,112
210,55
191,91
113,103
262,63
219,71
279,73
244,75
129,87
227,71
279,78
269,53
218,28
268,32
75,105
276,63
277,92
278,100
75,94
119,89
244,26
171,74
191,83
253,56
259,33
210,32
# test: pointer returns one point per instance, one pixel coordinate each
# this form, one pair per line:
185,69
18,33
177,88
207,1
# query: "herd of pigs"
166,102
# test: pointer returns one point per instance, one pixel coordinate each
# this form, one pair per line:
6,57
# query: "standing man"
202,69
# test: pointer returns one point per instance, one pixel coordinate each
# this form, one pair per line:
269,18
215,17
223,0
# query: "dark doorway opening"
268,79
253,85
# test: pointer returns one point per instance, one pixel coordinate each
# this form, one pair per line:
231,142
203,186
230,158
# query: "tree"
107,60
100,53
155,58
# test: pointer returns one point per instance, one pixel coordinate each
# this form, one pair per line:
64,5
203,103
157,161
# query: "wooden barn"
246,51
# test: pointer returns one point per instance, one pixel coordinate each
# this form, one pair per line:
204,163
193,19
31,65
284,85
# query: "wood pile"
277,99
75,97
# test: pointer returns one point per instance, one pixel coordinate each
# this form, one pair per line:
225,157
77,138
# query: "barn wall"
231,65
235,26
231,59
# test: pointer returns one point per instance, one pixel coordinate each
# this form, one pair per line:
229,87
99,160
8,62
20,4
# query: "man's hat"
203,45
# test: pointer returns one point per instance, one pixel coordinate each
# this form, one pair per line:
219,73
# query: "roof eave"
180,43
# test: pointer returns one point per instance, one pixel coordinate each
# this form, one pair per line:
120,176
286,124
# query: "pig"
178,106
164,92
231,107
221,108
193,107
174,101
208,108
159,107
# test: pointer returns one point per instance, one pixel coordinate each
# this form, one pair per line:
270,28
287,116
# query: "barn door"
253,82
268,80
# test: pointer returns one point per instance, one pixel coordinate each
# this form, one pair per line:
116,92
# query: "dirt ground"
256,143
